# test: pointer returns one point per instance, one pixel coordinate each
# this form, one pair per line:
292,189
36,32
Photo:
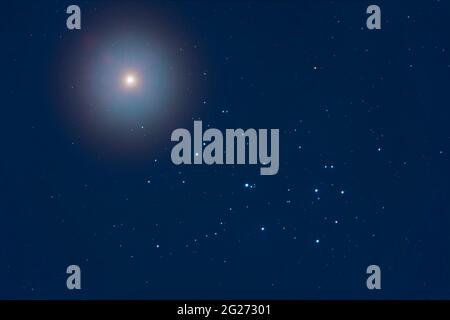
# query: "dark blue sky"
364,153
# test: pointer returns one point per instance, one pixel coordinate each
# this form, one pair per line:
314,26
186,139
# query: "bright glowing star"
130,80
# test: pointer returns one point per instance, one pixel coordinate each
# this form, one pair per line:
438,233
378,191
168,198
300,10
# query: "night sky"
86,176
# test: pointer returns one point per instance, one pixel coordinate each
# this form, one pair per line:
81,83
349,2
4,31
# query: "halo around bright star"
126,83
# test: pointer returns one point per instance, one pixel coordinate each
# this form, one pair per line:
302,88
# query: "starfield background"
86,176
